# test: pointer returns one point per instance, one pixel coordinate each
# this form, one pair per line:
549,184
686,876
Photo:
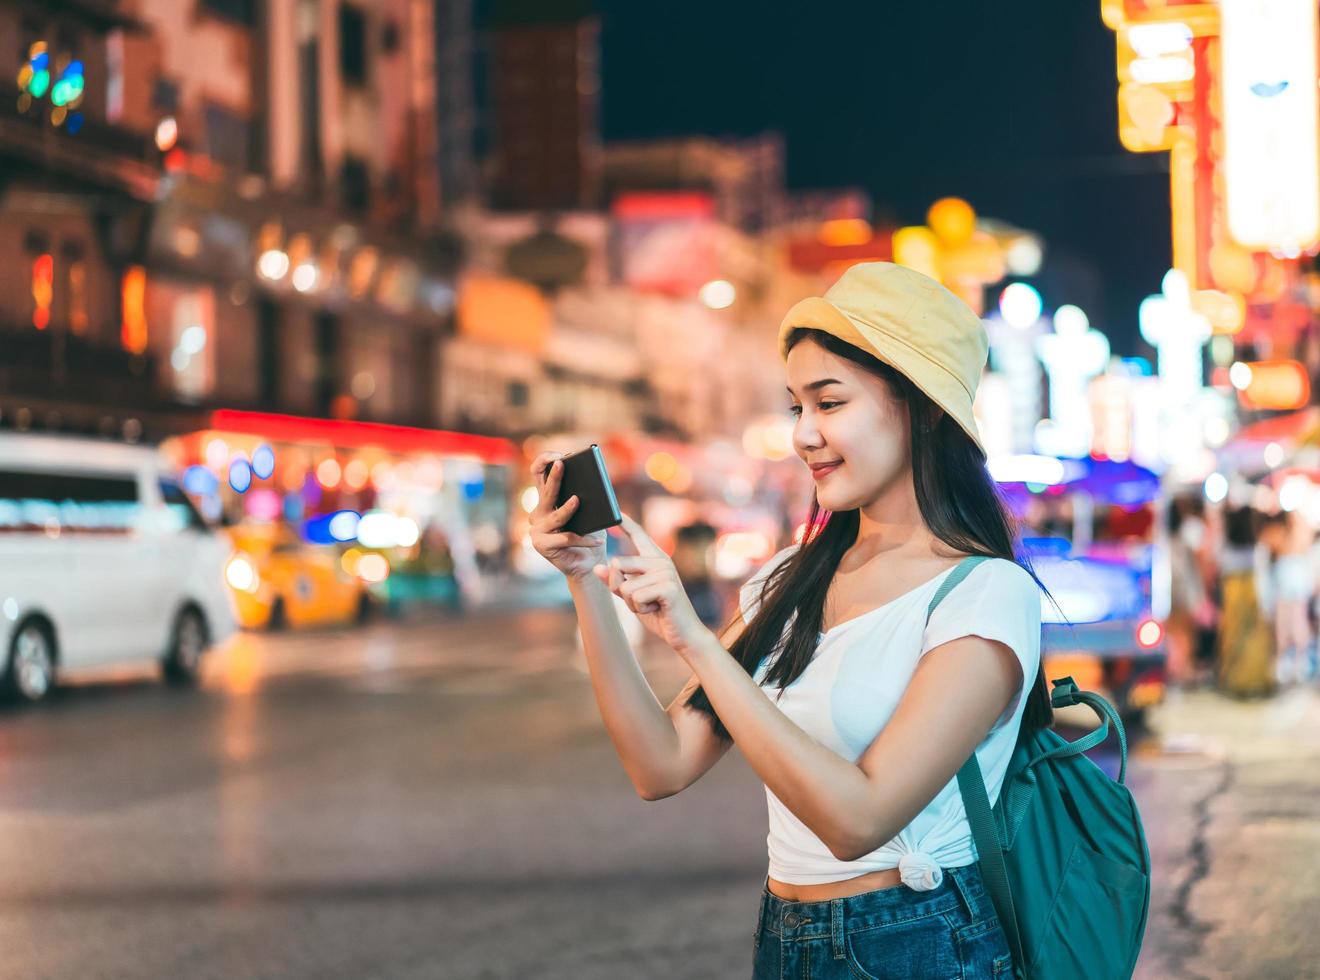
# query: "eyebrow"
813,385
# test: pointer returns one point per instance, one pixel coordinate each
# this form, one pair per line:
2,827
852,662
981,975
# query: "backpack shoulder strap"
990,853
960,572
976,803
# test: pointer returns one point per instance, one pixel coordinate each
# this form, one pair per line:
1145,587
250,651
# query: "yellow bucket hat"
910,322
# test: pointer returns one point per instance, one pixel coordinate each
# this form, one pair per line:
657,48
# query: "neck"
892,522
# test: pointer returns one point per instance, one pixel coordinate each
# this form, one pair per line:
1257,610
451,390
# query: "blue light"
331,528
240,475
200,481
74,122
263,461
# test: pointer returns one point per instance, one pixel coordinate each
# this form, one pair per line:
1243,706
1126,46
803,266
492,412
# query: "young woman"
855,713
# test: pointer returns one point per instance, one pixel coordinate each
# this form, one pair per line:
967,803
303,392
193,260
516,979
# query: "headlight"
241,574
373,568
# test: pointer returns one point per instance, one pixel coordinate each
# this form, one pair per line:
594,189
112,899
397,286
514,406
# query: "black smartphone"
584,474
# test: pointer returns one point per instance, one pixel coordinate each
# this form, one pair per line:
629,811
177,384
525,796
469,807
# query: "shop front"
333,515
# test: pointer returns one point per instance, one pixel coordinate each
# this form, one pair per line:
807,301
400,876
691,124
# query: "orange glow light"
1276,386
953,221
355,474
845,231
133,292
328,473
43,290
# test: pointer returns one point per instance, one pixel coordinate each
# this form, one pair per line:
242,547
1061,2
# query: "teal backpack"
1062,852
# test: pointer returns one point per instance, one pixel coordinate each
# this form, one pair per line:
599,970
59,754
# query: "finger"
632,586
651,595
546,466
548,492
636,564
565,539
554,520
540,464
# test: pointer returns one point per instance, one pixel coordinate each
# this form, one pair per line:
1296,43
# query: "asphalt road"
440,800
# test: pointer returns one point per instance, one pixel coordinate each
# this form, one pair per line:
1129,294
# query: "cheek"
880,455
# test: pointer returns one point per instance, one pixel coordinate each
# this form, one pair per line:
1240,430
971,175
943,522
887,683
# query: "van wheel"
30,672
187,645
277,619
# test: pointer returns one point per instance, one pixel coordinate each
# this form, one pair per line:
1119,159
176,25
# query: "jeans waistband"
809,920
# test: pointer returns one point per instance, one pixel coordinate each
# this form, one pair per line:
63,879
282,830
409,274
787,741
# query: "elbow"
848,850
651,790
652,793
851,844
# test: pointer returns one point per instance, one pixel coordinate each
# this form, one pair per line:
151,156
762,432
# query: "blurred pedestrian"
1246,636
1191,608
693,556
1294,591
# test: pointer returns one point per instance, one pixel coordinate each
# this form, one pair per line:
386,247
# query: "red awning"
359,435
1287,430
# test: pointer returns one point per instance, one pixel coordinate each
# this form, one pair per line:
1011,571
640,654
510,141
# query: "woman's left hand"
648,582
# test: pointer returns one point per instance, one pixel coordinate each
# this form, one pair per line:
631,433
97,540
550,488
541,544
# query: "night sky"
1009,105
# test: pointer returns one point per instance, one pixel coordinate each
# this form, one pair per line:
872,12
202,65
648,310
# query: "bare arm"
663,750
958,690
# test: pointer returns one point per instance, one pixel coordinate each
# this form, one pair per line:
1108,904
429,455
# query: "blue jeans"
951,932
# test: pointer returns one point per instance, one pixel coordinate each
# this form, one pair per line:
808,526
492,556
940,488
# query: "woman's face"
856,418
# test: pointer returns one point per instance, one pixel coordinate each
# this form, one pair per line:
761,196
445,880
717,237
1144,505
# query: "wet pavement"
440,800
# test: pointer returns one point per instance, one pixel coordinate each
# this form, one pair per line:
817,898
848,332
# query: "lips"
819,473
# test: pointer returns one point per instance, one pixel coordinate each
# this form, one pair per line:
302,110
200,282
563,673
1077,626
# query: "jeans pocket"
983,950
923,947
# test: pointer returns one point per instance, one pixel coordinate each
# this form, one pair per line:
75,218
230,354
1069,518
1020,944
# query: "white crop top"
854,682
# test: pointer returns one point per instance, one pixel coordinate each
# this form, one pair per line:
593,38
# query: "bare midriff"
873,881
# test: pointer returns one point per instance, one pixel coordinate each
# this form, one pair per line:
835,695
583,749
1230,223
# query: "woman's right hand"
573,554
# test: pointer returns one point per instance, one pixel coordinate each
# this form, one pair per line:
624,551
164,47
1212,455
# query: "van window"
180,507
58,502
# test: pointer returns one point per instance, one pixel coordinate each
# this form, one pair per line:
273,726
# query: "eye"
795,410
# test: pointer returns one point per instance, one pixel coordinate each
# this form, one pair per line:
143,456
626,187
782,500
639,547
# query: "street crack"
1198,859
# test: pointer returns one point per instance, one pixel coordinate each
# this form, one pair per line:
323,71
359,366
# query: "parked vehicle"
279,580
103,561
1095,534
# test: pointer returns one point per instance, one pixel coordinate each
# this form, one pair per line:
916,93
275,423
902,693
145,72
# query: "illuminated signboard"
1271,123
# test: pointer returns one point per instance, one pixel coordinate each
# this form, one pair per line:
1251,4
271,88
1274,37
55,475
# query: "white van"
103,561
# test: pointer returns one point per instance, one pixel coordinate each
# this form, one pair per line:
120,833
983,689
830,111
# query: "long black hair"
959,502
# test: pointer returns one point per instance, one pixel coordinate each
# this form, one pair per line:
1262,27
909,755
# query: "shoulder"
1005,572
997,582
999,600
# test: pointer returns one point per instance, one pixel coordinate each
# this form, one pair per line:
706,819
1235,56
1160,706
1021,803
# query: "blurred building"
301,227
544,106
456,78
78,175
744,178
225,203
